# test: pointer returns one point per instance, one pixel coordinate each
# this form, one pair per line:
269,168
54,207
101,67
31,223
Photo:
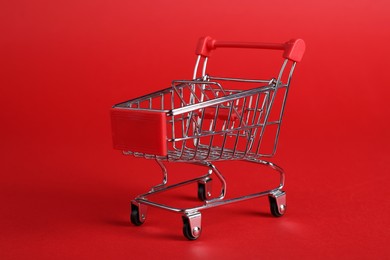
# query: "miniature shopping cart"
204,120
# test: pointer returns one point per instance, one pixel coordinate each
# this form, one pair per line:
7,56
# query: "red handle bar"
293,49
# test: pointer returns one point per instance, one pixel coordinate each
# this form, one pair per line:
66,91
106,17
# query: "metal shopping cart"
204,120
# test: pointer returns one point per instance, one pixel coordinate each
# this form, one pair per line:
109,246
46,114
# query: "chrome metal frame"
216,201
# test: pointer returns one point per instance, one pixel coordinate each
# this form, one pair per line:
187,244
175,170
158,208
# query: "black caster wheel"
138,213
192,226
204,189
277,203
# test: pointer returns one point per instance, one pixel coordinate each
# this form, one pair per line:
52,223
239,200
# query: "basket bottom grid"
205,153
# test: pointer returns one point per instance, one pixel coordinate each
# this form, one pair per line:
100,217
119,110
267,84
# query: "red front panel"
139,131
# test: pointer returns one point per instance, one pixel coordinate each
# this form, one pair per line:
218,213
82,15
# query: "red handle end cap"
205,46
294,50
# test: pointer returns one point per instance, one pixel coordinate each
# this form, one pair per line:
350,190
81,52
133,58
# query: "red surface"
65,192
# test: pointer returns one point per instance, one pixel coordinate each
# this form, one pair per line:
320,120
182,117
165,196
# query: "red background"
65,192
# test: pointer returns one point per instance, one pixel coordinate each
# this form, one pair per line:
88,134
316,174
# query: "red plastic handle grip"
293,49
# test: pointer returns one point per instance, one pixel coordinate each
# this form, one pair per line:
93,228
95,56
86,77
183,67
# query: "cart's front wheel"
192,226
138,213
277,203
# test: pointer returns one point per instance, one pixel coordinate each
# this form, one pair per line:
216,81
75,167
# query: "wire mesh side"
228,130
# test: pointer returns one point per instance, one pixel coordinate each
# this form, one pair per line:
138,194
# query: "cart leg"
277,201
138,213
192,225
272,166
164,179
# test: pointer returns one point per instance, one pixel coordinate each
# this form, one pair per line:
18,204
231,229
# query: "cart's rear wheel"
204,189
202,192
277,203
138,214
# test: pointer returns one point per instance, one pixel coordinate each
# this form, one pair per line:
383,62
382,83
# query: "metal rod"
219,201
